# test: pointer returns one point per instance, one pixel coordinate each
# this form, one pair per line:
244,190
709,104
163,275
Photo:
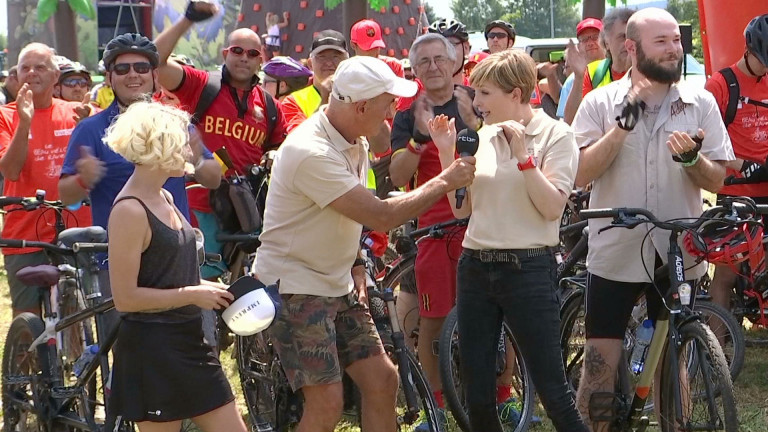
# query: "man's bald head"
648,20
242,57
243,36
42,50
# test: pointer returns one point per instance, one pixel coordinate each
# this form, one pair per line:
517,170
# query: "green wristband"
692,162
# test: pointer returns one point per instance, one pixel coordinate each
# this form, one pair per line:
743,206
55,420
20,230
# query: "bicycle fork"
638,421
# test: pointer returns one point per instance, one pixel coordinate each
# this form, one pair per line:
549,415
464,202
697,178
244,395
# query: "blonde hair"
508,70
151,134
272,19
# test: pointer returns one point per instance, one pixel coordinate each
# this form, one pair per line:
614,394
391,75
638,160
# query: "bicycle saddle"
42,276
91,234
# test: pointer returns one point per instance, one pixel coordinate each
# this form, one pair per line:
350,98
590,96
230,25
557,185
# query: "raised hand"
25,105
466,110
442,129
90,168
84,110
514,132
576,59
422,113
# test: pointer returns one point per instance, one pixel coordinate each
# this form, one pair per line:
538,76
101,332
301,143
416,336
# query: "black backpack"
735,97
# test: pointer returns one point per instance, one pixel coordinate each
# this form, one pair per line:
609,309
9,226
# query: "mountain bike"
696,391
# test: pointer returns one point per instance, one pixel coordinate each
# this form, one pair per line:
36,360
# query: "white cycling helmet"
254,308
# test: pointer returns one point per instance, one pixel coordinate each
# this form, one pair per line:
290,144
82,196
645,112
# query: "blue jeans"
527,299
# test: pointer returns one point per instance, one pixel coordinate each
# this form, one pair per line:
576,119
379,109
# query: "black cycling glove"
630,114
754,171
691,154
195,15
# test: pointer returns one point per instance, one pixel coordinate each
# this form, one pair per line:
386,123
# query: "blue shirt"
564,92
89,132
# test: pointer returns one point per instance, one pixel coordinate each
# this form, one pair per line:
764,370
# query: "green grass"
751,386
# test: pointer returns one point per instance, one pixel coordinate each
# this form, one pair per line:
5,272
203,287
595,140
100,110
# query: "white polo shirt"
644,175
306,244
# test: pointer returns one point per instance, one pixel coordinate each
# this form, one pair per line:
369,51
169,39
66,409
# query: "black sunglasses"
123,68
495,35
236,50
75,82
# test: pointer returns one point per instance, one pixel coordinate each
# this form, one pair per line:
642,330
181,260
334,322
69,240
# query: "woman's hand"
443,133
209,295
514,132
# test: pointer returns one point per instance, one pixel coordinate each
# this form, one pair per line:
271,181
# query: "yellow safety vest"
309,101
600,67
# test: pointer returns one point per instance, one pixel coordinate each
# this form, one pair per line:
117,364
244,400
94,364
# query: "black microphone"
466,145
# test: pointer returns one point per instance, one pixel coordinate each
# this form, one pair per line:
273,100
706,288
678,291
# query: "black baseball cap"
328,39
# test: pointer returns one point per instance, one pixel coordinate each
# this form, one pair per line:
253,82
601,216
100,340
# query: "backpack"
735,97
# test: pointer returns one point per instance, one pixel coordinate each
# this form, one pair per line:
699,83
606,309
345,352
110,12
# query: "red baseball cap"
589,23
367,34
477,57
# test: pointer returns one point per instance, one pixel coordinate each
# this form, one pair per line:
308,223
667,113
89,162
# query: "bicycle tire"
572,320
25,401
735,344
452,390
702,354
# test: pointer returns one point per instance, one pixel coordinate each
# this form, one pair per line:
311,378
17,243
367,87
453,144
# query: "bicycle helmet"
450,27
723,240
130,43
507,27
288,70
73,68
756,37
254,307
101,69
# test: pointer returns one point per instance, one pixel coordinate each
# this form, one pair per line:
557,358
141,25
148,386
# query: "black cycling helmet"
450,27
74,68
756,37
130,43
507,27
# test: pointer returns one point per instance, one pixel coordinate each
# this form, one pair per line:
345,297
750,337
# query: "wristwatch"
528,164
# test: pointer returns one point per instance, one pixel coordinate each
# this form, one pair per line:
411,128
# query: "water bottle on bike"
85,358
643,336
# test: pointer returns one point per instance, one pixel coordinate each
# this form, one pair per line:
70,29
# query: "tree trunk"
593,9
66,31
354,11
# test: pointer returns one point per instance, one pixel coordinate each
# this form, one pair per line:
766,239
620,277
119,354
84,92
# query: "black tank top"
170,261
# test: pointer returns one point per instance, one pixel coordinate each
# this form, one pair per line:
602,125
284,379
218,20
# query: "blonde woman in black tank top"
163,370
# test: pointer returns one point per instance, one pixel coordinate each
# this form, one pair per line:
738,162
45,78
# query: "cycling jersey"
48,137
243,135
102,95
593,68
748,130
393,64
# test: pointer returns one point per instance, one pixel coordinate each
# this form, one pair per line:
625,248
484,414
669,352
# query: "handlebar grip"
733,180
762,208
89,247
15,244
5,201
598,213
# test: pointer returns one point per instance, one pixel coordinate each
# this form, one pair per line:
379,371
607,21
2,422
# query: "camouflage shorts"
318,337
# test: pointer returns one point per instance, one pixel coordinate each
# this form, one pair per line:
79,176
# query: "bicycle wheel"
272,405
707,399
25,393
573,337
729,333
453,389
401,279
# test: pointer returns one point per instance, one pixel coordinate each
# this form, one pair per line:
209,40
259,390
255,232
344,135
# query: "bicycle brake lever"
623,222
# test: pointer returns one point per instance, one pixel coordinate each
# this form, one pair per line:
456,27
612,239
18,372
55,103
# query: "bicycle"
273,406
680,342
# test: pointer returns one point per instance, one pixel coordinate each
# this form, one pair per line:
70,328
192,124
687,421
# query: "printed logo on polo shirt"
63,132
229,127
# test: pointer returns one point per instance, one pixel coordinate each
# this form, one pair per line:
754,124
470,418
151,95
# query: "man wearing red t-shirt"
34,132
367,41
237,118
747,131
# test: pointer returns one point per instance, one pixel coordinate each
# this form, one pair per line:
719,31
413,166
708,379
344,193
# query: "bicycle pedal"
66,392
18,379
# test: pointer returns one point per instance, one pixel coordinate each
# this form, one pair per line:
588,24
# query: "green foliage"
3,41
532,18
429,12
687,12
476,13
87,42
373,4
610,2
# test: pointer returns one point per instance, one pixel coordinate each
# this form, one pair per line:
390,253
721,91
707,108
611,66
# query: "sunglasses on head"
236,50
124,68
496,35
75,82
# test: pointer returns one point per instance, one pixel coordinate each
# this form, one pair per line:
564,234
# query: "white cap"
361,78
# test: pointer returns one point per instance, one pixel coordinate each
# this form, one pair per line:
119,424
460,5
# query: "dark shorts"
317,337
165,372
435,270
273,48
23,297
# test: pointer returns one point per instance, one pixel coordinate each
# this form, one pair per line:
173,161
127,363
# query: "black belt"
505,255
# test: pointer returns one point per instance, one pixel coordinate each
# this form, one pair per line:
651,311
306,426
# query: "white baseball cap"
361,78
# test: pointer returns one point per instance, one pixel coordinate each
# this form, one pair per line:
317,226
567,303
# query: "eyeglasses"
591,38
140,68
251,53
75,82
439,61
497,35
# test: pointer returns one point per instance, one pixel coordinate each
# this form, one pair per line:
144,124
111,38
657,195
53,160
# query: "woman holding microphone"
526,166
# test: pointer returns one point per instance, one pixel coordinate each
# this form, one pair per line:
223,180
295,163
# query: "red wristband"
528,164
81,183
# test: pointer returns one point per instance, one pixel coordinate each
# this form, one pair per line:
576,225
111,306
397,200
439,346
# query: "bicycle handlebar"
435,229
89,247
20,244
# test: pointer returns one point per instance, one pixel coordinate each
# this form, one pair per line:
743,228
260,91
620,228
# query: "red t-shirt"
244,138
393,64
587,87
48,139
749,130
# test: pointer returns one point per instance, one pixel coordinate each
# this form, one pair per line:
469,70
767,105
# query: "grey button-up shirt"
644,175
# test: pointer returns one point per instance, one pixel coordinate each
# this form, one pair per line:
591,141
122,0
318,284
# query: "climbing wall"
401,23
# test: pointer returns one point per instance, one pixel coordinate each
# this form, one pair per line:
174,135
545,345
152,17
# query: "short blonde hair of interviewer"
508,70
151,134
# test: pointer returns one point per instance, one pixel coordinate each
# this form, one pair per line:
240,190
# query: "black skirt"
165,372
